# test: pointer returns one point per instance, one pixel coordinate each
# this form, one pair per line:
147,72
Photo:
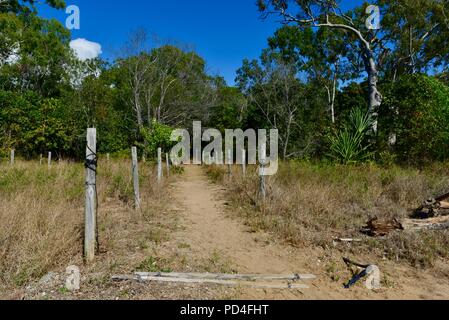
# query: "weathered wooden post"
144,159
49,159
244,162
108,157
91,199
167,161
12,157
135,172
262,157
41,159
159,165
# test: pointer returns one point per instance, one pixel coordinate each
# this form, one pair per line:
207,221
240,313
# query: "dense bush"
416,110
33,124
158,136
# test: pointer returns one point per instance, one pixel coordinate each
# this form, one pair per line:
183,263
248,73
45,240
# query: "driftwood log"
248,280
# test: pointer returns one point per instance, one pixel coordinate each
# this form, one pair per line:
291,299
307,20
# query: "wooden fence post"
159,165
108,157
91,199
49,159
244,162
41,158
135,171
262,189
12,157
167,161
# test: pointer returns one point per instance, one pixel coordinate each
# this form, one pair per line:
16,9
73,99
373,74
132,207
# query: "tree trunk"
334,91
138,109
375,97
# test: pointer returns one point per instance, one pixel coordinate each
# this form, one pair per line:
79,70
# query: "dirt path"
209,231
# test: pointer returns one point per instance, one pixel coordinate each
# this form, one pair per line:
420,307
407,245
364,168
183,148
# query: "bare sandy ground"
208,229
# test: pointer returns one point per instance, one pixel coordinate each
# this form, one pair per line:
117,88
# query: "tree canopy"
322,71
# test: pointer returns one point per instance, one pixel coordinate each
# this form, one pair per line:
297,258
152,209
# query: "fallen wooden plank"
221,276
229,283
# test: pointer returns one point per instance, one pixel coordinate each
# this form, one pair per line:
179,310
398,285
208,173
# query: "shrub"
158,136
416,110
349,145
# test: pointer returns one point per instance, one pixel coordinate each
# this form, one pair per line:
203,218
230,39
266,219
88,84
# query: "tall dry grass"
42,212
312,204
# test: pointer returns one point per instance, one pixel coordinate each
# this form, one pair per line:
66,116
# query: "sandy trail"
207,229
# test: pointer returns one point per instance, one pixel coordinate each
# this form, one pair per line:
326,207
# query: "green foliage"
416,110
353,96
28,6
349,145
418,32
230,110
48,98
33,124
158,136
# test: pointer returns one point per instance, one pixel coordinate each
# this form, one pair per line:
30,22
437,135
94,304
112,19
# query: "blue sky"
222,32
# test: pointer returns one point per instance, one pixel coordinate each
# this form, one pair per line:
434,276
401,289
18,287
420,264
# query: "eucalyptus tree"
34,52
328,14
412,36
273,88
416,33
136,62
320,58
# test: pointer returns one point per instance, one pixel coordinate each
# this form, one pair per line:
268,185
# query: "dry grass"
42,212
311,204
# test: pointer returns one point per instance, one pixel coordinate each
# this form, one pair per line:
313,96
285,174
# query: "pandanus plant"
350,145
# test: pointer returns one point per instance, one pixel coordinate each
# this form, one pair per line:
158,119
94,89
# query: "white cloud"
85,49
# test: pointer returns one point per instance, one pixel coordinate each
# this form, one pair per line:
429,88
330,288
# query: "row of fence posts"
90,239
91,163
41,158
